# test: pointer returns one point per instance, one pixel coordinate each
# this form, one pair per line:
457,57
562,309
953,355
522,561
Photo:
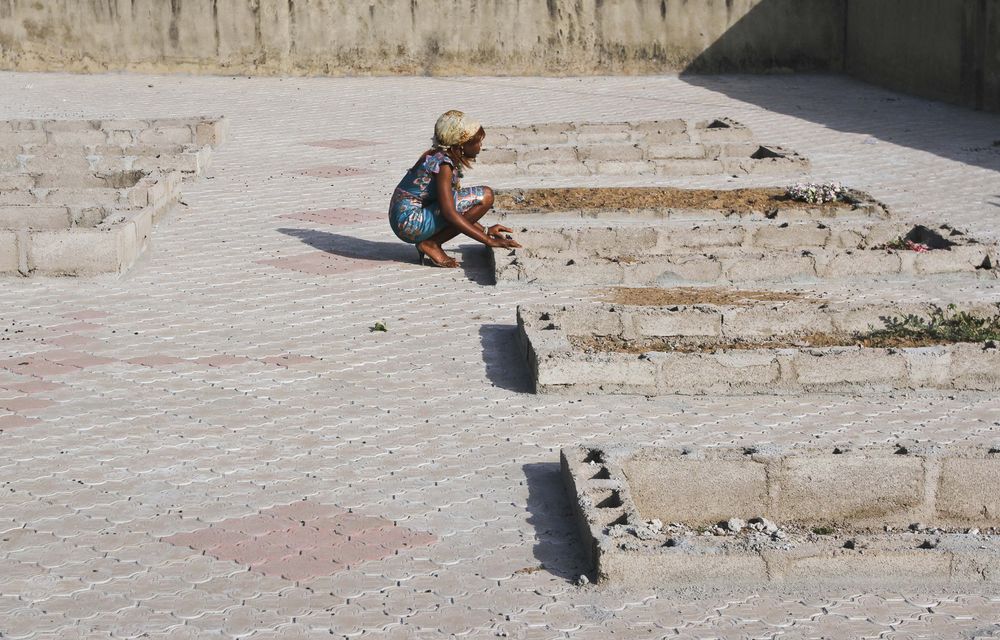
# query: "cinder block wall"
421,36
943,49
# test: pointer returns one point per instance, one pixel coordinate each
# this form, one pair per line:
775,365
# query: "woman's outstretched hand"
498,240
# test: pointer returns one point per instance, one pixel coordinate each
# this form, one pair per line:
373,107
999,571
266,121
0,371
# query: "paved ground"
218,446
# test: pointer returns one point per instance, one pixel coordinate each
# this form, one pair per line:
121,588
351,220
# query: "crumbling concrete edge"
601,497
556,367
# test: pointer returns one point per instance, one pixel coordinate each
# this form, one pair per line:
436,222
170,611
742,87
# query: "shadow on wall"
776,36
878,114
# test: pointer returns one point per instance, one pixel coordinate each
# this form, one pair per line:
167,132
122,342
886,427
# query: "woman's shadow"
474,258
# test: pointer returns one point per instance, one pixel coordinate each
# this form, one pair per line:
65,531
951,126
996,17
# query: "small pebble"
973,531
582,580
735,525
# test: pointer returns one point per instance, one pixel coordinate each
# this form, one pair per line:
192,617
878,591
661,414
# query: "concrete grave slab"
780,347
80,197
667,147
678,251
656,517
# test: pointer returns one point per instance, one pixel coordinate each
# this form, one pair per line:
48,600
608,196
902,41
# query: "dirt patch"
737,201
655,297
603,344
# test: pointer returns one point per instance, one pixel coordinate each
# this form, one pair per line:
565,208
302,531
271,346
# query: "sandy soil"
655,297
740,201
707,345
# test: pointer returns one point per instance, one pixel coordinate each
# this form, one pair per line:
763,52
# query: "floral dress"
414,212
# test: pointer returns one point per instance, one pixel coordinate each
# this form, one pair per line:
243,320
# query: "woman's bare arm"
442,188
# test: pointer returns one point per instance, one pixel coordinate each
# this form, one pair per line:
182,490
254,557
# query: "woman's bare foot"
436,254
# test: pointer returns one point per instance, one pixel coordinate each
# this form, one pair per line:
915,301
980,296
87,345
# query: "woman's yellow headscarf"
454,128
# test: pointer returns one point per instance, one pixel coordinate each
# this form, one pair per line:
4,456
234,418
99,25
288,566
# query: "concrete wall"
421,36
943,49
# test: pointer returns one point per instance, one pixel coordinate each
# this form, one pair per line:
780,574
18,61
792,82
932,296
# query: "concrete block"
697,492
929,367
659,127
849,489
791,237
67,125
532,155
74,252
718,373
616,168
688,151
699,236
57,165
693,268
859,263
9,256
77,138
675,569
554,133
609,371
975,367
691,321
554,169
20,138
12,181
887,567
495,155
969,490
34,217
599,132
819,370
212,132
777,268
764,321
618,152
180,135
955,259
687,167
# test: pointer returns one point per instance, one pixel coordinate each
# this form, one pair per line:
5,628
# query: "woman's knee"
488,196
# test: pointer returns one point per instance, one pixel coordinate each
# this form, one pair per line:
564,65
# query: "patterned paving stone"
229,389
336,217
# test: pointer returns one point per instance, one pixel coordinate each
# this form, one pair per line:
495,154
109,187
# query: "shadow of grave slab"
658,517
767,347
654,147
662,237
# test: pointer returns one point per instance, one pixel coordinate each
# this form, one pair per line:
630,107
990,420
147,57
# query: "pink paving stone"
300,551
25,403
304,511
323,264
72,341
73,327
352,523
354,554
288,360
86,314
80,360
12,421
342,143
36,367
334,217
34,386
155,360
203,539
334,171
221,360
